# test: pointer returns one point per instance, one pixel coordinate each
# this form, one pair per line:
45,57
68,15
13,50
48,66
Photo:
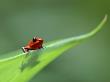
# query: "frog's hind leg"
25,49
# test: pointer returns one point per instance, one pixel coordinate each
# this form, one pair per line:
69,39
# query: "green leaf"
23,66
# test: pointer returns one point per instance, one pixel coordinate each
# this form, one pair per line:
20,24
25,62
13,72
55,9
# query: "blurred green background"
20,20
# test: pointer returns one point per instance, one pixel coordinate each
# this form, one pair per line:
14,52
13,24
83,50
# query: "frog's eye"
34,39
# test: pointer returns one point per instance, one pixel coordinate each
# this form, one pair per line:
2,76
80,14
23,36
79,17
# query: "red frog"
34,44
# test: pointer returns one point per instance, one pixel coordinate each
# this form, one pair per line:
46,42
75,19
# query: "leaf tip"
106,17
100,26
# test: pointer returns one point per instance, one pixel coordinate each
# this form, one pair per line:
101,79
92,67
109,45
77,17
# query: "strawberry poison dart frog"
34,44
